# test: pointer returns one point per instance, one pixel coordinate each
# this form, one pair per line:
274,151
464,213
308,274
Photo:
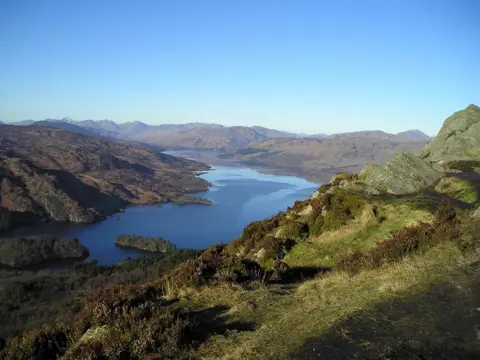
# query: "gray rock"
457,140
476,214
405,173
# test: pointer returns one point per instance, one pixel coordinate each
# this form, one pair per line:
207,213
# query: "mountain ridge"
221,137
370,264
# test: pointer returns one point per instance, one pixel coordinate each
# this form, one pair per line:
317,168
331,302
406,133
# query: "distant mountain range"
204,135
314,158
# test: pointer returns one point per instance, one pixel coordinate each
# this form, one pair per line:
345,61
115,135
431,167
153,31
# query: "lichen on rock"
405,173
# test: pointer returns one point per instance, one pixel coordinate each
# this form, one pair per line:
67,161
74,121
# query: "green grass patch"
325,250
459,189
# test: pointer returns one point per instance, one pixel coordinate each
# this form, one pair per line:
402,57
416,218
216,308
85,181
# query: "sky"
303,66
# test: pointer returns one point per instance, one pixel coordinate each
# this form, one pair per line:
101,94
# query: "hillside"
309,157
53,174
220,139
208,136
381,273
405,136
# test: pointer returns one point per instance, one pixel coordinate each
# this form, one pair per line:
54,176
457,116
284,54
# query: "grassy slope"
269,320
327,248
287,316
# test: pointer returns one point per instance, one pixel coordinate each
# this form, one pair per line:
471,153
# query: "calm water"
240,196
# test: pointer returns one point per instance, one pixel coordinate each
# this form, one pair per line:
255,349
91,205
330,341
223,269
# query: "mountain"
368,134
270,133
53,174
69,126
31,194
357,270
209,136
312,157
374,259
23,123
412,135
212,138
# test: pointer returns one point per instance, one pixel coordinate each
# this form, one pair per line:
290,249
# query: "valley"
393,247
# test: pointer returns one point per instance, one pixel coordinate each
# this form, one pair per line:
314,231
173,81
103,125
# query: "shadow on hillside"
301,273
473,178
87,196
442,323
427,199
214,321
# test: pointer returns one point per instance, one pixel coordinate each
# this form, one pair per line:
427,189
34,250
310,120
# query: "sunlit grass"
314,306
360,235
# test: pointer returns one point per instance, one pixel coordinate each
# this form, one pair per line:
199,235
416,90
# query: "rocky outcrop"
405,173
476,214
455,148
458,139
28,251
144,243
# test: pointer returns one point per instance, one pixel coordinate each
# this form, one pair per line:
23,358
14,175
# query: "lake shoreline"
240,194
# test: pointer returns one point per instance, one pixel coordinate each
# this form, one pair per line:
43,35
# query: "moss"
465,166
458,188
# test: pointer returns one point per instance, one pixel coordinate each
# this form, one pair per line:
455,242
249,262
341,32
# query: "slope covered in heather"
358,270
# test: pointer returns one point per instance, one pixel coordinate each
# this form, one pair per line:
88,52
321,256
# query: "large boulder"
405,173
458,140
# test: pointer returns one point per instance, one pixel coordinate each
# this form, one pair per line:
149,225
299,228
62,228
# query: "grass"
361,235
221,306
314,306
459,189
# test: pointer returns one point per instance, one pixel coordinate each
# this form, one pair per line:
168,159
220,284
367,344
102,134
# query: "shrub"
46,343
291,229
136,334
337,179
333,210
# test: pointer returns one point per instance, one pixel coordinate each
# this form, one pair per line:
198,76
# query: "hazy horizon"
65,118
299,66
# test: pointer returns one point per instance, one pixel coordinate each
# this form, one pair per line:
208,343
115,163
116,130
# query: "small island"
144,243
33,250
187,199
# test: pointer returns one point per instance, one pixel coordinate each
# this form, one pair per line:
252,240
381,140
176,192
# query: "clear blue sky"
311,66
